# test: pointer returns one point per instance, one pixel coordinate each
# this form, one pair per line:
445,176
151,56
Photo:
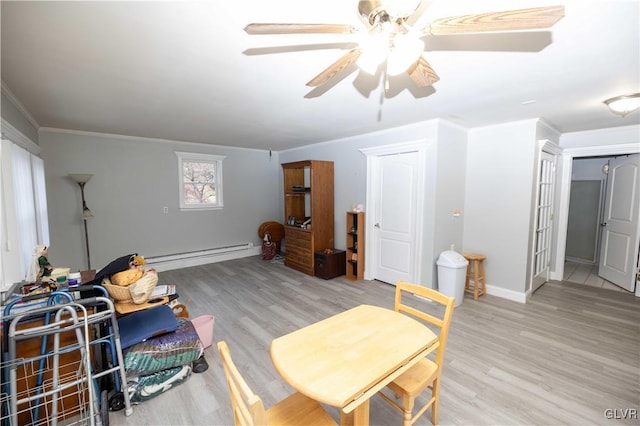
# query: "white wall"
134,179
444,189
591,141
499,179
350,165
487,173
450,190
589,168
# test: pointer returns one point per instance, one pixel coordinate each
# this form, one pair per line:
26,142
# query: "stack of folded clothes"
160,351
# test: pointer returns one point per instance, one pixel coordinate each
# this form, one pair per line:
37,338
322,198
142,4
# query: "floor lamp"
81,180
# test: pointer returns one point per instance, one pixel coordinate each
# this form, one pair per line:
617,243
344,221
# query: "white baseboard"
504,293
168,263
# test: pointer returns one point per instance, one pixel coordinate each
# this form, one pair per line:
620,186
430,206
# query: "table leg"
346,419
358,417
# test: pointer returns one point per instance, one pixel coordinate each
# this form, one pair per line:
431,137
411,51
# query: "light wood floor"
587,274
562,359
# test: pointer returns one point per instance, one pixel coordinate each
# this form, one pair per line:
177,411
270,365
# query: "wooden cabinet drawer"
298,244
299,249
297,234
299,260
302,252
300,255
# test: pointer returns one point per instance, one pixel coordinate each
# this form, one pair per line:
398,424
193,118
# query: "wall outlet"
165,209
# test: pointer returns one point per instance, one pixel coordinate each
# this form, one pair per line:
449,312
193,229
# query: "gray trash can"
452,271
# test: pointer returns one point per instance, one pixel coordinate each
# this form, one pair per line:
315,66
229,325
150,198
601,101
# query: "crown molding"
602,150
16,136
16,102
143,139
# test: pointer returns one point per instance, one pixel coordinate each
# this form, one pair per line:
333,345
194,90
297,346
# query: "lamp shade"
80,178
625,104
86,213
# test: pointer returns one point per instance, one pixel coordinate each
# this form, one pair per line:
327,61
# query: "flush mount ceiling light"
625,104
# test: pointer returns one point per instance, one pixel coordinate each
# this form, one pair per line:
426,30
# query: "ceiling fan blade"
422,74
299,29
509,20
333,69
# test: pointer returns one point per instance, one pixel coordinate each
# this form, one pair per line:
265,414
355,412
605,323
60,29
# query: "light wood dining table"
346,359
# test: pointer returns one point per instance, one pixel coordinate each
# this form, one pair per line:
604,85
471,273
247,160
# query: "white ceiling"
187,70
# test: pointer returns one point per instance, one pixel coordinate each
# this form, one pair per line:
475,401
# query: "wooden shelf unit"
313,199
355,245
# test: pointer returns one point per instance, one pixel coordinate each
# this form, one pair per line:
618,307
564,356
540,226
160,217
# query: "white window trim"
205,158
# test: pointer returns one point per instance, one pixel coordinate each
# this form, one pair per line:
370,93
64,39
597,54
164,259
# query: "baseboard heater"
201,257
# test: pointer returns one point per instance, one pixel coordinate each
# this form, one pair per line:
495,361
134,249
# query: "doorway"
588,185
598,254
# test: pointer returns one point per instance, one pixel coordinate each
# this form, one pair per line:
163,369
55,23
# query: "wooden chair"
248,409
426,373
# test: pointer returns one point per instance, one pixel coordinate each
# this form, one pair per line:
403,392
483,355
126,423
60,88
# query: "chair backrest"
247,406
443,322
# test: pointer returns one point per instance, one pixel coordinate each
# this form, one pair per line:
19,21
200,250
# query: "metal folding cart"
60,383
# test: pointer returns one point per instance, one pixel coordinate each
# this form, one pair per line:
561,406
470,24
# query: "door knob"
604,224
377,225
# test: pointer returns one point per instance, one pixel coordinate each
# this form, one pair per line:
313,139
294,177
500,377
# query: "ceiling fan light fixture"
374,51
369,9
405,52
624,104
388,21
401,8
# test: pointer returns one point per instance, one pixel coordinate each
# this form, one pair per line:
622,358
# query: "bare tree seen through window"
199,182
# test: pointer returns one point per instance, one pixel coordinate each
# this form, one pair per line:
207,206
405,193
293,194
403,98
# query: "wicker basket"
137,292
141,290
118,293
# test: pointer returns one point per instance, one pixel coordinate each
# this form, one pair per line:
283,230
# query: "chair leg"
468,276
435,393
484,284
407,405
475,280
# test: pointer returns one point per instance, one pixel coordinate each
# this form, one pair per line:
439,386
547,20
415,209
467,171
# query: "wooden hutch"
308,212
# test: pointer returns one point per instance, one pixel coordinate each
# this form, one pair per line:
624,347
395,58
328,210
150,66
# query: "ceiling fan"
392,38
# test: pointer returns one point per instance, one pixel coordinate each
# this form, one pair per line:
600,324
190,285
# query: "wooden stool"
475,268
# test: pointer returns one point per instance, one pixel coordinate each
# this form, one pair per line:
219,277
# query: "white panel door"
395,224
620,234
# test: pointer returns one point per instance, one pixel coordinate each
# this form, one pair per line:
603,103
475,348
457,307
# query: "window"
200,181
23,209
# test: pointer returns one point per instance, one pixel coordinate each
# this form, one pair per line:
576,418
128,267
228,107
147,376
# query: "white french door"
543,220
